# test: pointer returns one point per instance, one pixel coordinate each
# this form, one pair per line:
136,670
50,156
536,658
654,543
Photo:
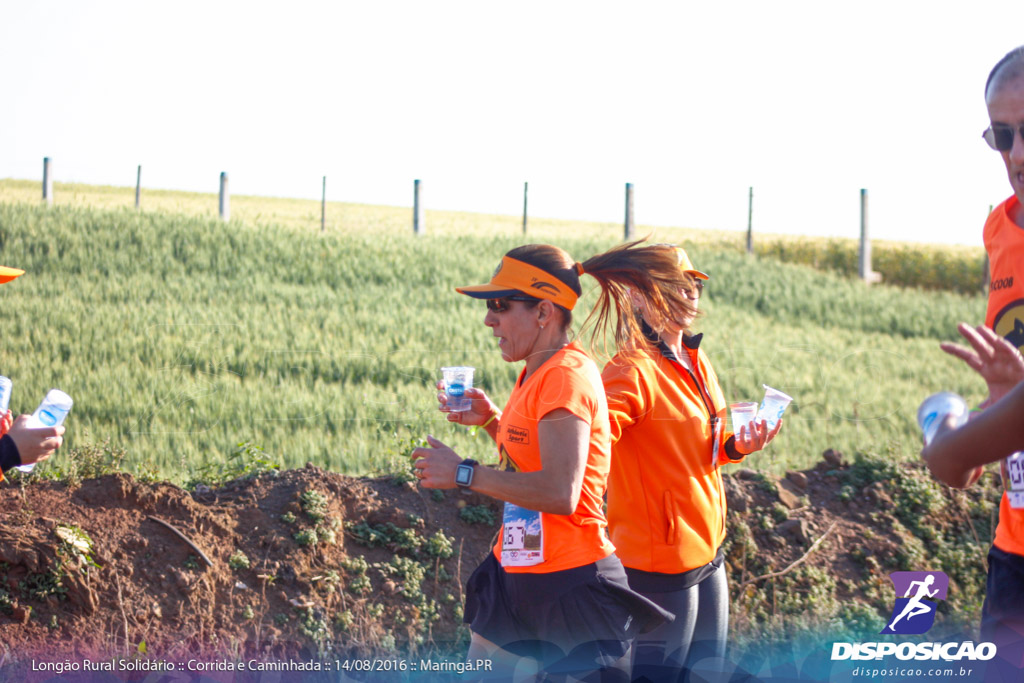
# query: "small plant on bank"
314,504
238,560
439,545
306,537
477,514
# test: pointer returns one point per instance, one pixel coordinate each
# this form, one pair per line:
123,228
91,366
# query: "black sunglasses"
1000,137
501,305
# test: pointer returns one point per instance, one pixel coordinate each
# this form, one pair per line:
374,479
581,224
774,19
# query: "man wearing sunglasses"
1002,619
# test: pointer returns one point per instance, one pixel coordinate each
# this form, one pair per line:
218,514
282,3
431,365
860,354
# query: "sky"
691,102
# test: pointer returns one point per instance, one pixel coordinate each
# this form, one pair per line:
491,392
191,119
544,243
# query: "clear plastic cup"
51,412
742,415
5,395
935,408
773,405
456,381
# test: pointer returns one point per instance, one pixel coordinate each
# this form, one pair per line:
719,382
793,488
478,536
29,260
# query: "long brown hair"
650,270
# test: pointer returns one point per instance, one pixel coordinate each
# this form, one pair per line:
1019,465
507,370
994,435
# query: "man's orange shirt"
1004,242
569,380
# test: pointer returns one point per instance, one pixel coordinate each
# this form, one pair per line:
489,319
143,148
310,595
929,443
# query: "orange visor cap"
686,265
8,274
516,277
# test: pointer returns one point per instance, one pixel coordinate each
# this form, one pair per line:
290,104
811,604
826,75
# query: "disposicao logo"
917,596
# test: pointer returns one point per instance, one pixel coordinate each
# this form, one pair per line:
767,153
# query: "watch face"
463,474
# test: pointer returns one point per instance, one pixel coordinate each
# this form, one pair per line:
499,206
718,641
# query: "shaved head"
1009,69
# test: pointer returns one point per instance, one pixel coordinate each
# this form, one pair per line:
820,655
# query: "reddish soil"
150,597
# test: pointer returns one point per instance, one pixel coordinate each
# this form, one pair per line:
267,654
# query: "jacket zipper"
714,420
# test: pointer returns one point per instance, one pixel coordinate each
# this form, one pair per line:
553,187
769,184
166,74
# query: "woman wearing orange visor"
666,504
552,589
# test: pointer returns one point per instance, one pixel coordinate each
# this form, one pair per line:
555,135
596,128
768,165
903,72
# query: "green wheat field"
180,336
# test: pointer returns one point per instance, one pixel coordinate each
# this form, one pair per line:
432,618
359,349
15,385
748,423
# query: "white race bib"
522,537
1013,479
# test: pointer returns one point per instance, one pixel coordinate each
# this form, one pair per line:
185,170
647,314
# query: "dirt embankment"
309,565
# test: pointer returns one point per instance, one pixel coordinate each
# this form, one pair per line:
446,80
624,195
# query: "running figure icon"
920,592
914,607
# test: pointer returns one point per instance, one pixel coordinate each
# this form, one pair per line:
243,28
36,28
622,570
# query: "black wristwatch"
464,473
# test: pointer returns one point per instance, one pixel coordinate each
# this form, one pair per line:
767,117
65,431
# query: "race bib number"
522,537
1013,479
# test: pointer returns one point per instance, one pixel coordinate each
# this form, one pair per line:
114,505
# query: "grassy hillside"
179,335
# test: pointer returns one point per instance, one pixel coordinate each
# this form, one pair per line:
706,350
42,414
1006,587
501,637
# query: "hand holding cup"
480,410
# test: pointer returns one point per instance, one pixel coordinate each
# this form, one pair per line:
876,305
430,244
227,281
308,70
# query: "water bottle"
5,395
51,412
936,408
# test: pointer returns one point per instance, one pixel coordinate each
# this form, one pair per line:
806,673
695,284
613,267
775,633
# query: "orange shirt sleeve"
628,398
563,388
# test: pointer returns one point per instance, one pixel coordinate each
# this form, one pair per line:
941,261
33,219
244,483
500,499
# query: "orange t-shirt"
1004,242
539,542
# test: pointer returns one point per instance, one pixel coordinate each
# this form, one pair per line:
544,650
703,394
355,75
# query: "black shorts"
580,615
1004,595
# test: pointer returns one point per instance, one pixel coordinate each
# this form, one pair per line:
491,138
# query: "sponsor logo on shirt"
517,435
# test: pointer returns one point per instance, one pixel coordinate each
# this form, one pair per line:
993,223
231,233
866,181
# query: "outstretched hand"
994,358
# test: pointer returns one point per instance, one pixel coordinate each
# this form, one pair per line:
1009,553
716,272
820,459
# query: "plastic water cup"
773,405
5,395
456,381
742,415
51,412
935,408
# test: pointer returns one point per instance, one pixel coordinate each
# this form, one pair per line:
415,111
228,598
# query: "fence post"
225,198
417,209
138,185
526,188
47,181
750,222
864,266
323,208
629,212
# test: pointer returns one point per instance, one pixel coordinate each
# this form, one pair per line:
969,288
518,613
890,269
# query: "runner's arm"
555,488
956,456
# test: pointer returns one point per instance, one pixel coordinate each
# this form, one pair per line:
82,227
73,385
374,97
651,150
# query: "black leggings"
698,632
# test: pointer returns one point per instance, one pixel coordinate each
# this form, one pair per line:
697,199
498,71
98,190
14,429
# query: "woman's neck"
544,350
674,341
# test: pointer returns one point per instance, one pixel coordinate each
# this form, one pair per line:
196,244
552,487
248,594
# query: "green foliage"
314,504
306,537
83,462
411,573
439,545
245,462
284,347
39,586
936,268
477,514
289,518
238,560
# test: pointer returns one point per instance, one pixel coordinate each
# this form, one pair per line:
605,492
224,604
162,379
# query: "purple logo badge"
917,596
